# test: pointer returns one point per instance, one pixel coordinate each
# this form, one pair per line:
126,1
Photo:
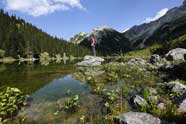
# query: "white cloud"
42,7
157,16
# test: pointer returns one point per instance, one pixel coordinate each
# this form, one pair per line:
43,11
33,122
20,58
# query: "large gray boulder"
182,107
177,87
136,118
176,54
91,61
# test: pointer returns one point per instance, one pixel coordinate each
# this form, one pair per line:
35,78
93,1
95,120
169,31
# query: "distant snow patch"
158,15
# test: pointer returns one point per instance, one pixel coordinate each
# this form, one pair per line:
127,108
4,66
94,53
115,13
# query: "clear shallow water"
43,104
46,85
30,78
59,88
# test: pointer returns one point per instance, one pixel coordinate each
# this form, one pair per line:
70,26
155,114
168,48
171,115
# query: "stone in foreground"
176,54
137,118
177,87
182,107
154,58
139,101
91,61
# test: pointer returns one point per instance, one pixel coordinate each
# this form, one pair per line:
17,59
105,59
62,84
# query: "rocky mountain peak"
102,28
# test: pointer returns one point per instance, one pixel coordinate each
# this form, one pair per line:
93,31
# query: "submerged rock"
176,54
91,61
139,101
136,118
154,58
177,87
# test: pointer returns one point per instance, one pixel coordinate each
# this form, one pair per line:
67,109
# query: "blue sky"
65,18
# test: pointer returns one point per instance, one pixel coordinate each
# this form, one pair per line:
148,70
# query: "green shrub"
11,100
146,93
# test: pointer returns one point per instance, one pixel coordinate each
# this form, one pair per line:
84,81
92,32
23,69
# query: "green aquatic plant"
72,103
11,100
114,104
110,96
112,100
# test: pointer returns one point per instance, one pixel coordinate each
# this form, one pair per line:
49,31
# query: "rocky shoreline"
152,105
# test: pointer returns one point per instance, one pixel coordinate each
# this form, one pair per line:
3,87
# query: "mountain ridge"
167,27
147,29
105,42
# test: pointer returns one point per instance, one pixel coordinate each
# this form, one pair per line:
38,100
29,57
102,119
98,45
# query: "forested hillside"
18,37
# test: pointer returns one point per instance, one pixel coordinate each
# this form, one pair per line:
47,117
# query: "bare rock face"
176,54
136,118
